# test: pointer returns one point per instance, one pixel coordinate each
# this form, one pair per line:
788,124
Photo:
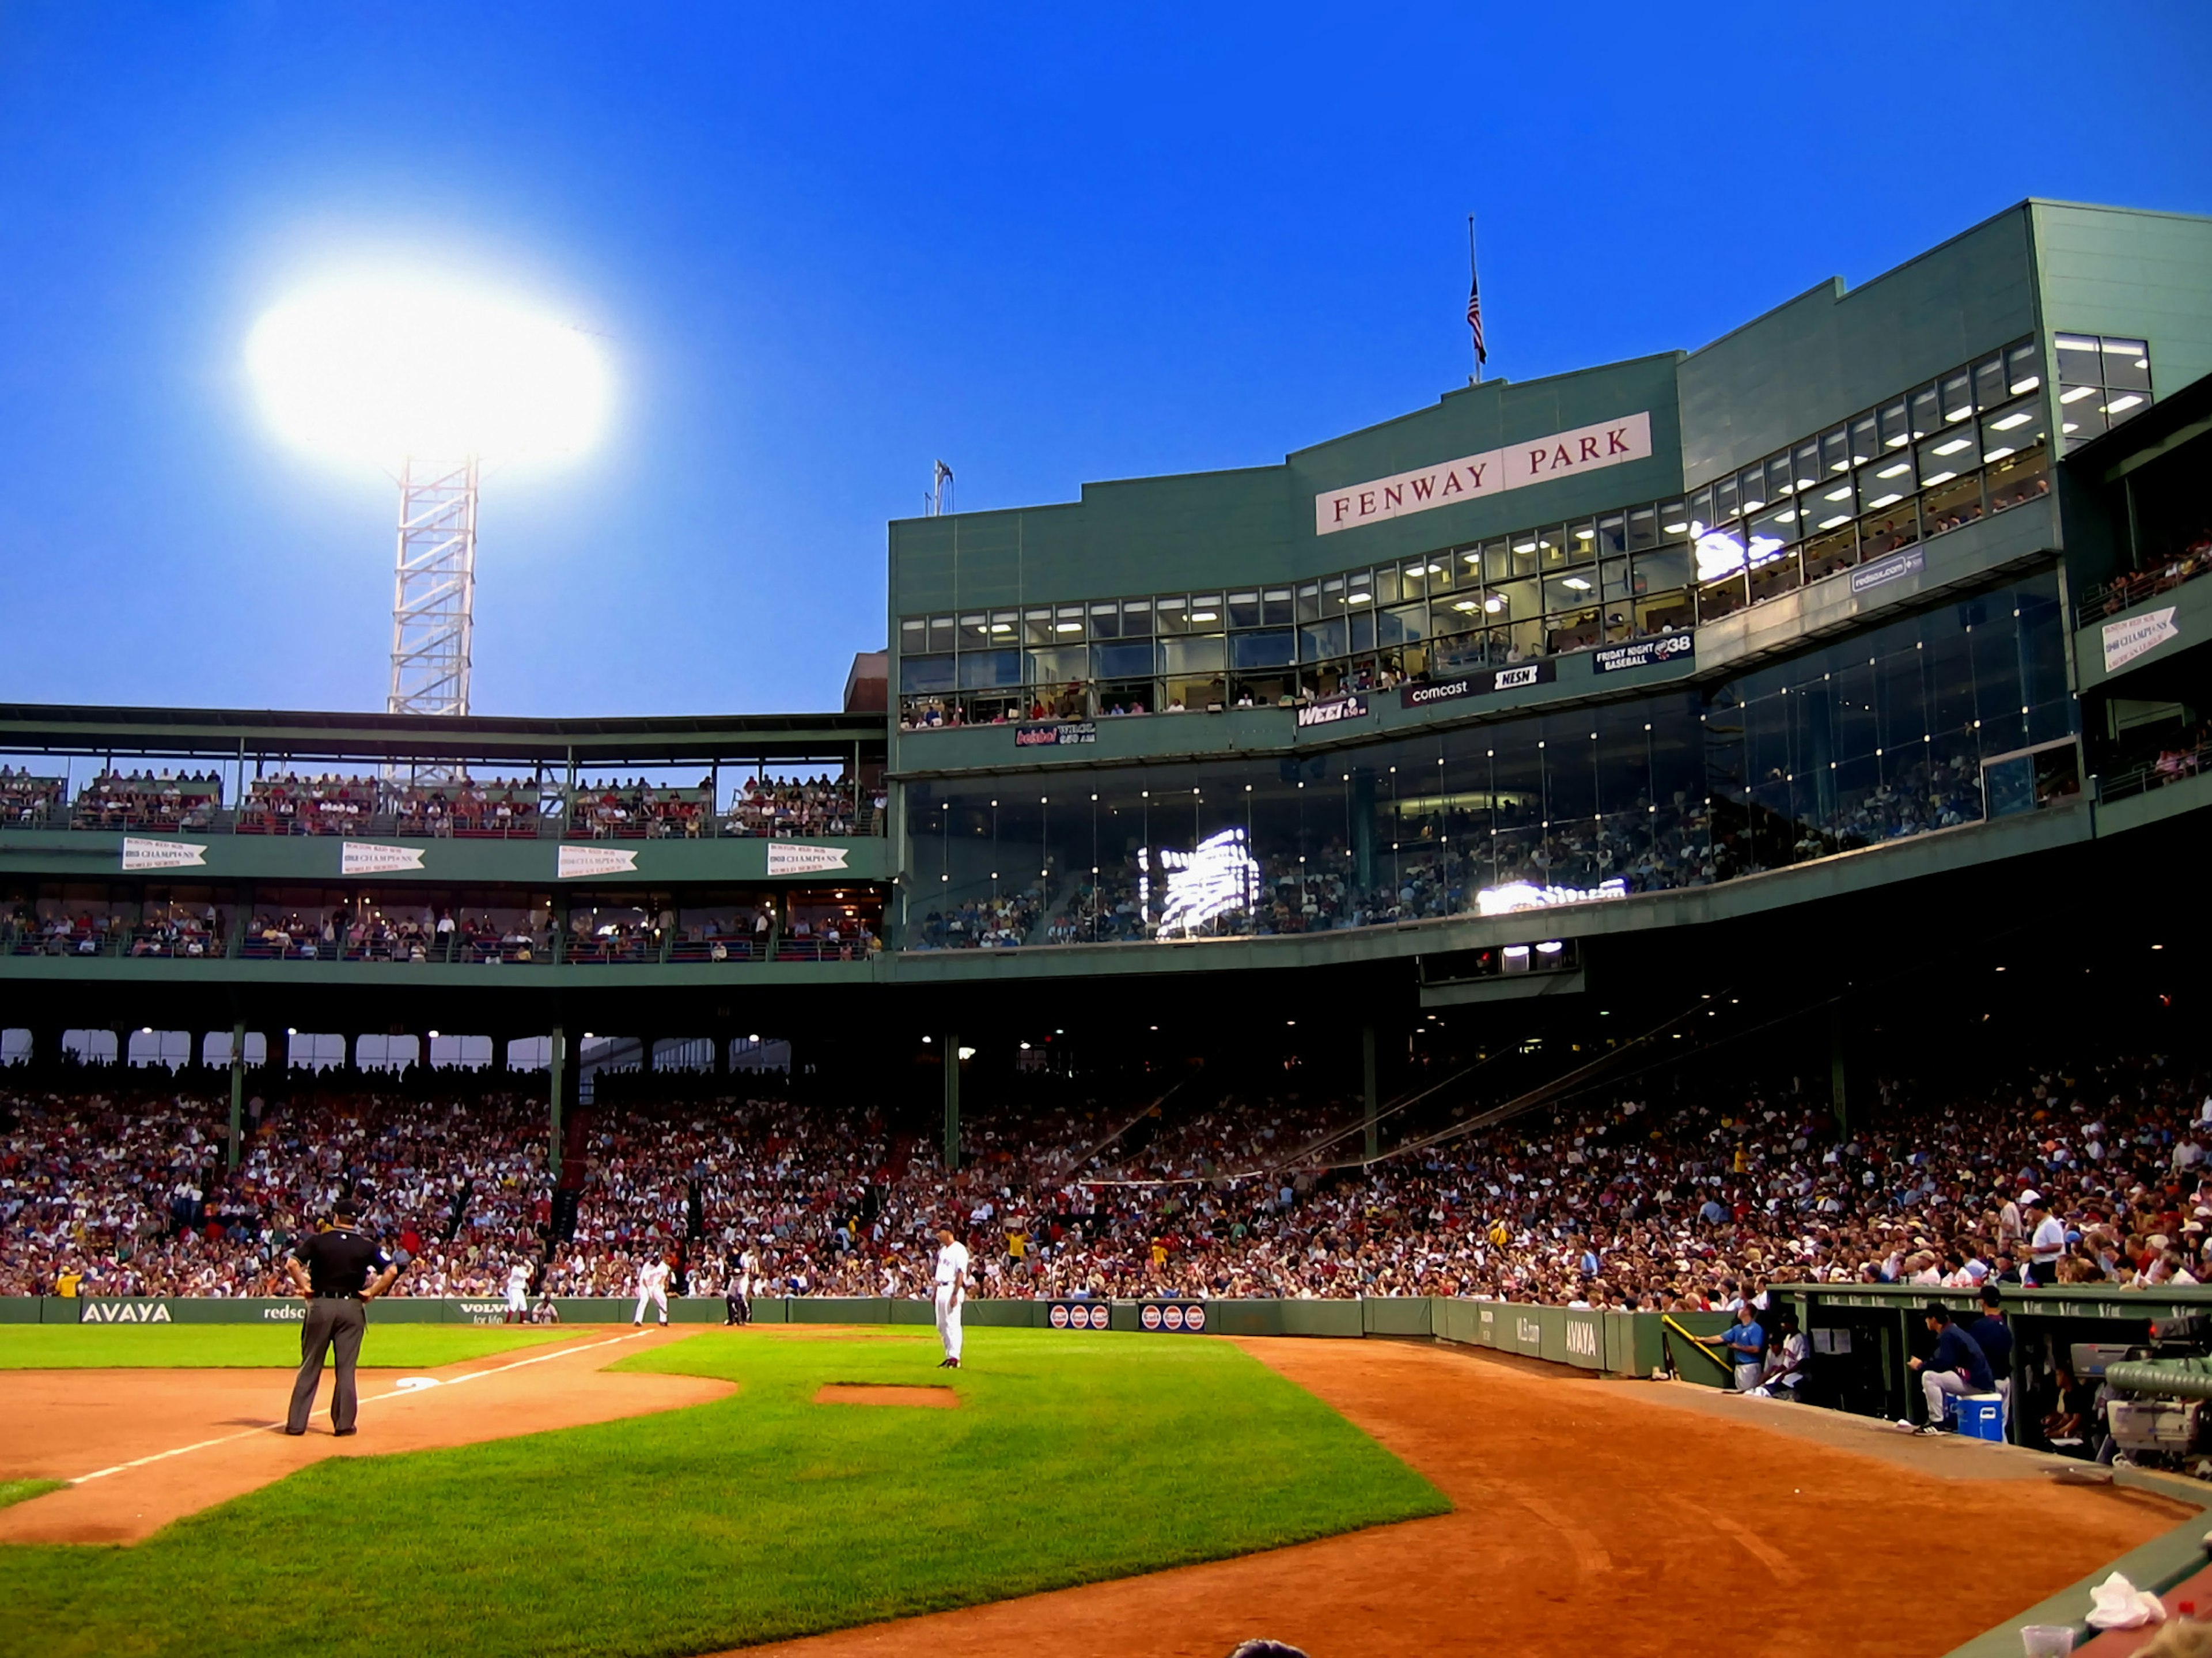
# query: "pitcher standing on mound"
951,1290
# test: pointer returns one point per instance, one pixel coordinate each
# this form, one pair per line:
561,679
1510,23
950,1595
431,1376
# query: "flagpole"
1474,350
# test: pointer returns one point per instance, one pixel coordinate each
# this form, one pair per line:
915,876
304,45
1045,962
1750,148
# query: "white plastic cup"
2046,1640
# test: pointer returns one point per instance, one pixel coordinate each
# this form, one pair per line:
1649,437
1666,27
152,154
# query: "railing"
361,809
2170,767
449,949
2129,590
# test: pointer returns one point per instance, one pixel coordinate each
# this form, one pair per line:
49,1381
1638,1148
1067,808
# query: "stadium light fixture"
431,379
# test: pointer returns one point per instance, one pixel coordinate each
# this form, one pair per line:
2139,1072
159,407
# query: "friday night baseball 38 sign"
1448,483
1188,1316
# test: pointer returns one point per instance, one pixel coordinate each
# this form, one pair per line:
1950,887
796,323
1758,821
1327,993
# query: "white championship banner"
1449,483
2126,641
371,857
797,857
141,853
595,860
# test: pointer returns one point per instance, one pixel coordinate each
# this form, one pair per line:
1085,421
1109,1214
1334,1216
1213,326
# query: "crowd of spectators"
145,799
1690,1203
981,923
2194,558
821,805
25,799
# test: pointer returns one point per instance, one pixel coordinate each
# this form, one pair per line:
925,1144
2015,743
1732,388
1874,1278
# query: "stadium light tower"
434,382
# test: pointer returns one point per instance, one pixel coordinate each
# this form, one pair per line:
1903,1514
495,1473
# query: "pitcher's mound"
870,1393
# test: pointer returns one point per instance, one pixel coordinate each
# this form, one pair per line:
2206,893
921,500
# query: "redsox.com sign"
1078,1315
1189,1317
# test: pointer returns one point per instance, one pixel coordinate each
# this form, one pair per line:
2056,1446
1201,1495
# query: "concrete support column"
1369,1093
557,1067
1839,1070
952,1102
237,1086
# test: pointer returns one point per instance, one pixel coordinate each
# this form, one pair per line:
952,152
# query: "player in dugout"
339,1271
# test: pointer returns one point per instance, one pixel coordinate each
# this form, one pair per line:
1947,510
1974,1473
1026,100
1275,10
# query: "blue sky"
826,246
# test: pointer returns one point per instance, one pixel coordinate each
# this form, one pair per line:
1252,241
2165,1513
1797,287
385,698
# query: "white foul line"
408,1393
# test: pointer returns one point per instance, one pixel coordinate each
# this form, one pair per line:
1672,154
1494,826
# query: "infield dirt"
65,1425
1590,1514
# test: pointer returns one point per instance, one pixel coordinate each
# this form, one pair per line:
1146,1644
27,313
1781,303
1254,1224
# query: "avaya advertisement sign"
1447,484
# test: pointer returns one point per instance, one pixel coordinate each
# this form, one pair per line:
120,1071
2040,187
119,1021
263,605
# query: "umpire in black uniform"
338,1271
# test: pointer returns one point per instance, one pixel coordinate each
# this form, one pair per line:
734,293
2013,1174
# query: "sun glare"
383,369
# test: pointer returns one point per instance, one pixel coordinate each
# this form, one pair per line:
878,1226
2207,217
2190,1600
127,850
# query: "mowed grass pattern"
762,1517
247,1346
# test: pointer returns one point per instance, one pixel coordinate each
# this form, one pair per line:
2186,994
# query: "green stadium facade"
1881,601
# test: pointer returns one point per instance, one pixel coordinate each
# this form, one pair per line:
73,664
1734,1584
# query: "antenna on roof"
939,502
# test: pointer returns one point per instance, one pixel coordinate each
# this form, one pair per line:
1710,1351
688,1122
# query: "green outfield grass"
21,1491
198,1346
760,1517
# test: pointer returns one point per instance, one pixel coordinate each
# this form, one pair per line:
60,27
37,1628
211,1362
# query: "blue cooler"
1981,1416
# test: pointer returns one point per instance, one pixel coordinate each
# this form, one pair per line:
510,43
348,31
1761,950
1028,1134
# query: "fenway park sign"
1449,483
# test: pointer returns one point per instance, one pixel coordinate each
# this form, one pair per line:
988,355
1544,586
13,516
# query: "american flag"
1474,316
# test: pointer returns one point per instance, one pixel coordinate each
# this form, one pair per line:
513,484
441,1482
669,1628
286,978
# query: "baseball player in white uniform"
518,1293
653,1286
951,1290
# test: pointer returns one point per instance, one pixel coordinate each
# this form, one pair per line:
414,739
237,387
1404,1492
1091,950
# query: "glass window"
1206,611
1068,623
913,636
988,669
1332,597
2023,369
1275,607
975,631
2127,365
1751,488
1036,626
1441,572
1727,502
1005,626
941,633
1359,588
1673,518
1895,429
1385,587
1927,411
1943,455
1244,609
2081,413
1551,546
2019,479
1953,501
1865,440
1322,641
1663,571
1527,555
1126,661
1612,580
1885,483
1825,552
1769,532
1174,613
1060,664
1835,452
1643,528
2012,427
1274,648
2081,361
1192,656
1106,621
919,674
1805,465
1582,541
1136,619
1832,503
1571,592
1612,534
1308,601
1990,382
1958,396
1401,624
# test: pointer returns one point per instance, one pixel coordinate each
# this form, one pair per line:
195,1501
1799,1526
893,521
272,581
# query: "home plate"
410,1383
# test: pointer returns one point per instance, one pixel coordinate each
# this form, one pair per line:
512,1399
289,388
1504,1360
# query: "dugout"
1863,1336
